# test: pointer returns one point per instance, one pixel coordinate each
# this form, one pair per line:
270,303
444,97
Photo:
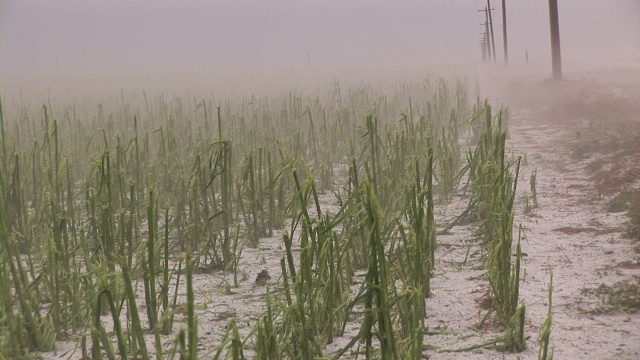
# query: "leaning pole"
556,61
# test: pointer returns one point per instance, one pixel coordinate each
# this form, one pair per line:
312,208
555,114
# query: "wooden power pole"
493,41
488,42
483,47
487,31
504,33
556,61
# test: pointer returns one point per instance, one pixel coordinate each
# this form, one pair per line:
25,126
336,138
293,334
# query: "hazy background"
130,36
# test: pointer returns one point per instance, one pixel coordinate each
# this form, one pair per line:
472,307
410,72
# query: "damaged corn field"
344,222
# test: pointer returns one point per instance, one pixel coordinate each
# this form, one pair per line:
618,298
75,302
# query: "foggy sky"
88,36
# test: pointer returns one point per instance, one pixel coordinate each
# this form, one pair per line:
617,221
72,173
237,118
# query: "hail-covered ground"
570,234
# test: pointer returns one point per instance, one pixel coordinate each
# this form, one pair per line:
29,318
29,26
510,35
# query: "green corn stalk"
534,193
29,330
266,339
514,339
136,325
226,192
376,280
304,337
545,329
115,315
375,290
150,274
167,323
192,321
236,343
99,336
372,134
3,149
171,315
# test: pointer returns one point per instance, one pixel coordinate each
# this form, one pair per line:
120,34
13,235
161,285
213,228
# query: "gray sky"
194,35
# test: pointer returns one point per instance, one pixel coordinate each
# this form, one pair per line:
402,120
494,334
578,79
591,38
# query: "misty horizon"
39,37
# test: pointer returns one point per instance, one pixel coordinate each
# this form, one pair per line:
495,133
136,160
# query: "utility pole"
504,33
493,42
556,61
483,46
486,31
487,41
